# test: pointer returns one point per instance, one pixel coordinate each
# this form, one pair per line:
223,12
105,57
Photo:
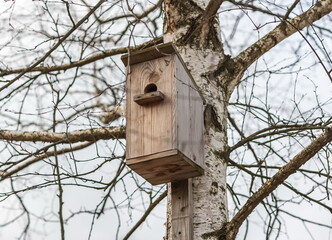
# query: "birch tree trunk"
202,51
194,28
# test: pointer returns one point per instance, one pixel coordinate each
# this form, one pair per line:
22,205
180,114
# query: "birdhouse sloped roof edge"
148,54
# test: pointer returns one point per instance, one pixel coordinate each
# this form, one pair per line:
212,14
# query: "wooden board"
150,128
147,98
196,126
181,218
183,113
168,166
149,54
189,117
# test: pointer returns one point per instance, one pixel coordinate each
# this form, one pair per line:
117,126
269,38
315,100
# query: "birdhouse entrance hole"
150,88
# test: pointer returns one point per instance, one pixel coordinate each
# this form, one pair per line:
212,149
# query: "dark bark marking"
211,118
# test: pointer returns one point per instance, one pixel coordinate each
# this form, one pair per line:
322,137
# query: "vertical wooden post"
181,202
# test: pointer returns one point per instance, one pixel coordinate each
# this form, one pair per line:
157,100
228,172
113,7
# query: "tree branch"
91,135
291,9
247,5
207,18
112,114
271,184
273,130
6,174
304,195
62,39
136,16
145,215
82,62
278,34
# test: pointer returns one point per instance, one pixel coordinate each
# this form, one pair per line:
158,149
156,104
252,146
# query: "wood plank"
146,98
168,166
157,155
189,117
133,116
148,54
162,122
181,201
147,69
128,113
174,105
183,113
196,126
150,127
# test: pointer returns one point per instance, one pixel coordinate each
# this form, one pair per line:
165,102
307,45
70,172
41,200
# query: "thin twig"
40,157
271,184
82,62
145,215
46,55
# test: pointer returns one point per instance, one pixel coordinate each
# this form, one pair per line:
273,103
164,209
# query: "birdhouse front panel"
151,126
164,116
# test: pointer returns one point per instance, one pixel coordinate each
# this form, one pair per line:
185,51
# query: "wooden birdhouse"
164,114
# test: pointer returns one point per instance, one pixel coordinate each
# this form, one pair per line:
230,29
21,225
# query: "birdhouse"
164,116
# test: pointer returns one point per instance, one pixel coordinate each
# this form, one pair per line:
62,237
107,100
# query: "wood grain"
181,198
168,166
165,138
149,54
150,126
146,98
189,116
172,123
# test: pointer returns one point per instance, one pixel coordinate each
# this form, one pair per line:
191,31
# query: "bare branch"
244,167
146,214
82,62
271,184
92,134
6,174
291,9
247,5
277,129
136,16
304,195
62,39
278,34
113,114
207,17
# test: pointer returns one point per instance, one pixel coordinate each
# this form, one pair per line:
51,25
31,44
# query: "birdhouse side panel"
196,126
151,126
189,116
183,110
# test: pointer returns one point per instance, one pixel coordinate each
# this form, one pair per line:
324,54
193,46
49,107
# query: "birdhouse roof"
150,53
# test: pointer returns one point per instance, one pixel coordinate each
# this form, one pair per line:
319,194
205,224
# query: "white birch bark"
192,27
209,191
